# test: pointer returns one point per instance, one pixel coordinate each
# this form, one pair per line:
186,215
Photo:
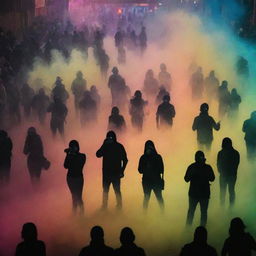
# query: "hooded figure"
204,124
224,99
211,86
151,86
5,157
31,245
137,105
151,166
78,87
199,246
164,77
227,162
97,245
59,91
114,164
249,128
40,103
88,109
33,148
165,112
116,121
75,162
59,113
128,246
197,84
199,174
235,101
142,38
27,94
239,242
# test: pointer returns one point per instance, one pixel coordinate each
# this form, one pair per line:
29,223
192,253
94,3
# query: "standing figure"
97,245
114,164
116,121
137,105
103,60
211,86
75,162
242,67
116,84
165,112
142,40
197,84
199,246
239,242
95,95
162,92
5,157
27,94
150,85
121,58
128,247
164,77
235,101
249,128
59,91
88,109
227,162
119,38
78,87
59,113
199,174
204,124
33,148
30,245
152,167
224,99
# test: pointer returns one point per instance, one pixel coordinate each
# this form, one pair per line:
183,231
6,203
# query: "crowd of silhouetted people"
239,242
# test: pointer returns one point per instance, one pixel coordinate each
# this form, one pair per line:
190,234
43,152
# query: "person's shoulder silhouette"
199,246
97,245
128,247
31,246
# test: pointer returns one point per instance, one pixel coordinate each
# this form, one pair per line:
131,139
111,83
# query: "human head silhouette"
111,135
226,143
149,147
115,70
166,98
31,130
253,115
127,236
138,94
115,111
163,67
29,232
97,233
200,235
237,227
204,108
79,74
199,157
74,146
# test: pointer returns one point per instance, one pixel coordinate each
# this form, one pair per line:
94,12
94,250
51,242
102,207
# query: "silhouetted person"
114,164
142,38
249,128
162,92
5,157
235,100
224,99
97,245
40,104
95,95
204,124
150,84
128,247
121,58
151,166
103,60
137,105
88,109
59,113
199,247
199,174
197,84
78,87
30,246
239,242
242,67
116,121
211,86
117,86
164,77
119,38
165,112
33,148
59,91
75,162
27,94
227,162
